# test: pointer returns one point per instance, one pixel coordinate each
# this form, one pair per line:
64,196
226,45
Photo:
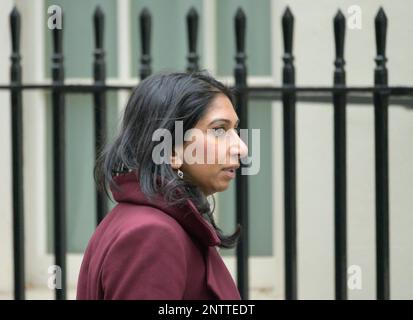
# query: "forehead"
220,107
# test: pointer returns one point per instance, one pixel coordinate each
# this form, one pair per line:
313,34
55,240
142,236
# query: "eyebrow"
224,120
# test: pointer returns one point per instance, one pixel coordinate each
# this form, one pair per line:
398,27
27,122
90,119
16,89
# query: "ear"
176,158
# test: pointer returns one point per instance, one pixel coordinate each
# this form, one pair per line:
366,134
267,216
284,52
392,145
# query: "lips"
230,171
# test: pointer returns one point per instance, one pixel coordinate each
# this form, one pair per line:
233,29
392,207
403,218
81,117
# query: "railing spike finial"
192,13
240,26
381,30
287,13
145,23
192,26
15,29
288,26
145,13
99,20
339,33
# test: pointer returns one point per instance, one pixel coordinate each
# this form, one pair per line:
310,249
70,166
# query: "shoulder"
132,220
144,229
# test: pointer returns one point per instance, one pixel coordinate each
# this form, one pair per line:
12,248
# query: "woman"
159,241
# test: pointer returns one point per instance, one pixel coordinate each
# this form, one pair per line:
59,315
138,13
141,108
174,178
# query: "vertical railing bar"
59,167
289,99
145,22
340,173
240,74
17,158
99,99
381,103
192,29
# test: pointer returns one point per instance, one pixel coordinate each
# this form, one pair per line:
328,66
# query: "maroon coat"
143,250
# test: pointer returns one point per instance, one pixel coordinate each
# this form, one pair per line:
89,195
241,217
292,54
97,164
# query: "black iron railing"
288,93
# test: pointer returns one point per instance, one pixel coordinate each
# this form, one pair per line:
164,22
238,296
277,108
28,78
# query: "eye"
219,131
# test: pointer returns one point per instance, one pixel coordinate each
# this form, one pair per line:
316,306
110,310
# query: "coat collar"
187,216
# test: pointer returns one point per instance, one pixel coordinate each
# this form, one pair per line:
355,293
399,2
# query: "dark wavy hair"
157,102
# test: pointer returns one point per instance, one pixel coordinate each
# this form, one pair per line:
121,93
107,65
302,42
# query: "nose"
237,146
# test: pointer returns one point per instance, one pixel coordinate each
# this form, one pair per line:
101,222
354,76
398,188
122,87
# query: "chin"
216,188
222,188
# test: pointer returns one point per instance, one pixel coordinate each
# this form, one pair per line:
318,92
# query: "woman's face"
211,157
